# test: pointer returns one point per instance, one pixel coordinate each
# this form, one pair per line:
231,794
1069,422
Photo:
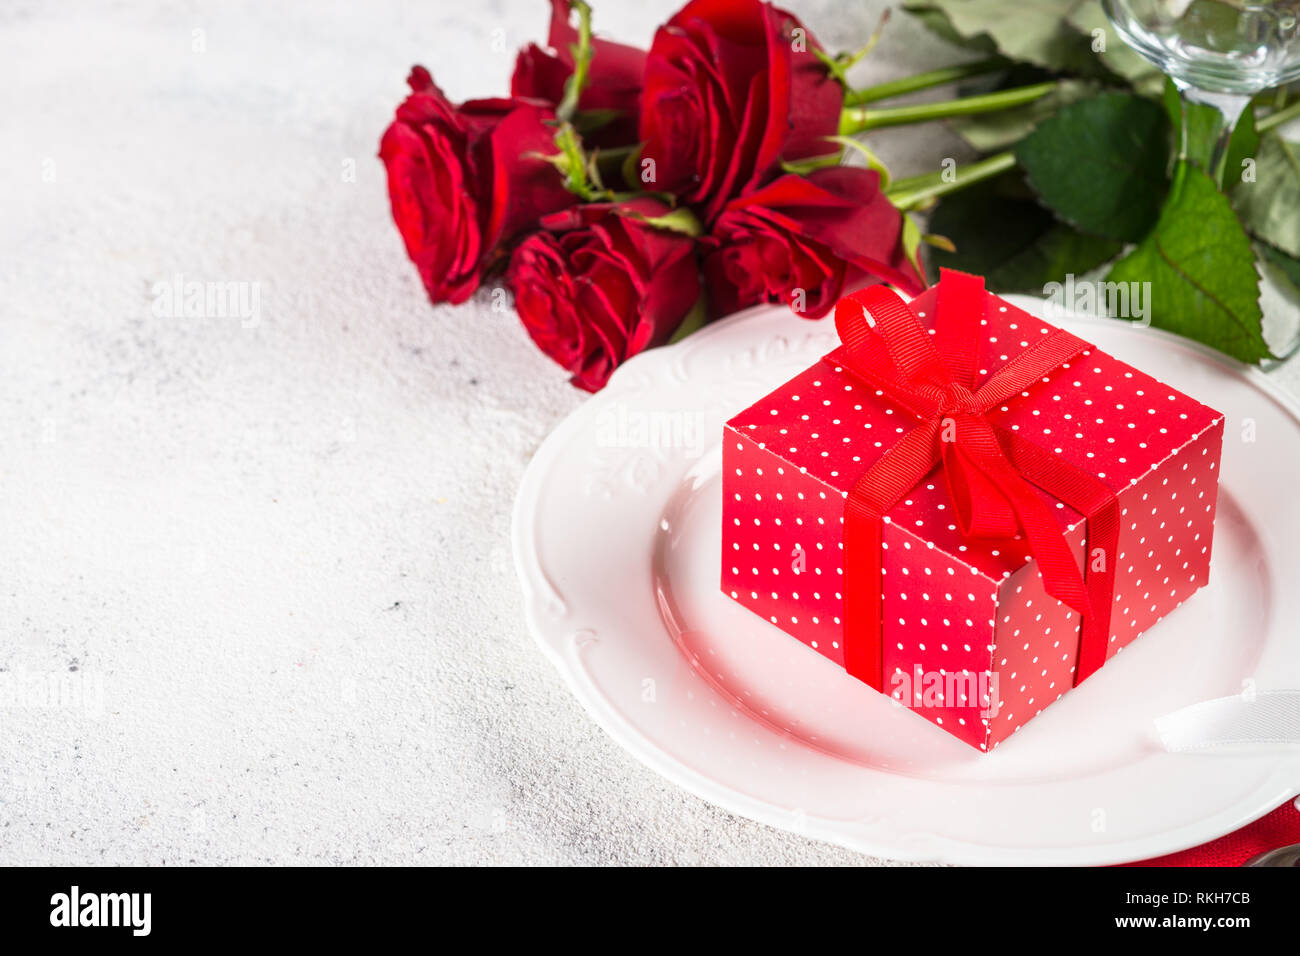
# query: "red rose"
732,87
599,284
613,79
822,235
465,179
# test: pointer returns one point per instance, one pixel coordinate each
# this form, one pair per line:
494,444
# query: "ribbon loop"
988,471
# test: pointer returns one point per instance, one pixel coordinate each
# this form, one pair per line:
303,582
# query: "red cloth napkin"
1276,829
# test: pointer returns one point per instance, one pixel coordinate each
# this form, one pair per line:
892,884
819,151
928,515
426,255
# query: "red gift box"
966,630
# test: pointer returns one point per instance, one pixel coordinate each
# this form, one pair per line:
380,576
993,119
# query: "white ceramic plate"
617,539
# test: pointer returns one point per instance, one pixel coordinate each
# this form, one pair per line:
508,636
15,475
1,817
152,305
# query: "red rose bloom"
464,179
613,79
732,87
811,238
599,284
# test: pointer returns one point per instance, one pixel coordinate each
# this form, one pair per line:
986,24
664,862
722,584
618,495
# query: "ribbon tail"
1062,577
1096,502
863,598
1103,537
980,507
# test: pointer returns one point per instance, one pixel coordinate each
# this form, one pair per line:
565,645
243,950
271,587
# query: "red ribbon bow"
989,470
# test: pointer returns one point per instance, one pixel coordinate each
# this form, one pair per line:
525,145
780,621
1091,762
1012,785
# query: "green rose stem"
917,191
581,51
922,81
858,119
1273,120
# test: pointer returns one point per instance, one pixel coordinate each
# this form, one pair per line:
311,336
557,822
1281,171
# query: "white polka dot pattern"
963,608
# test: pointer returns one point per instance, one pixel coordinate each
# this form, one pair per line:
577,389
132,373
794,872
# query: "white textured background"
271,564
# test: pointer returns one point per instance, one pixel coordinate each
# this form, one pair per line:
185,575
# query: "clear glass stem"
1228,108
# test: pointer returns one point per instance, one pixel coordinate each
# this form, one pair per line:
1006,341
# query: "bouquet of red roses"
630,196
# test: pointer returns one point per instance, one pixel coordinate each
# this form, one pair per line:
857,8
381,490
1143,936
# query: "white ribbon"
1262,718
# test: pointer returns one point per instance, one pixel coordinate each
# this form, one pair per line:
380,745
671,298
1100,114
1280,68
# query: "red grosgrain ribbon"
990,471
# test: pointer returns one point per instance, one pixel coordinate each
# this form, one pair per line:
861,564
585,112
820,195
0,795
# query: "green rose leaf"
1032,31
1288,266
911,240
1243,145
1199,262
936,21
1120,58
1012,241
678,220
1270,206
990,132
1201,123
1100,164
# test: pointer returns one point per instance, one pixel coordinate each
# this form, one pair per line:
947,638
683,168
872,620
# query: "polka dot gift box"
966,507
